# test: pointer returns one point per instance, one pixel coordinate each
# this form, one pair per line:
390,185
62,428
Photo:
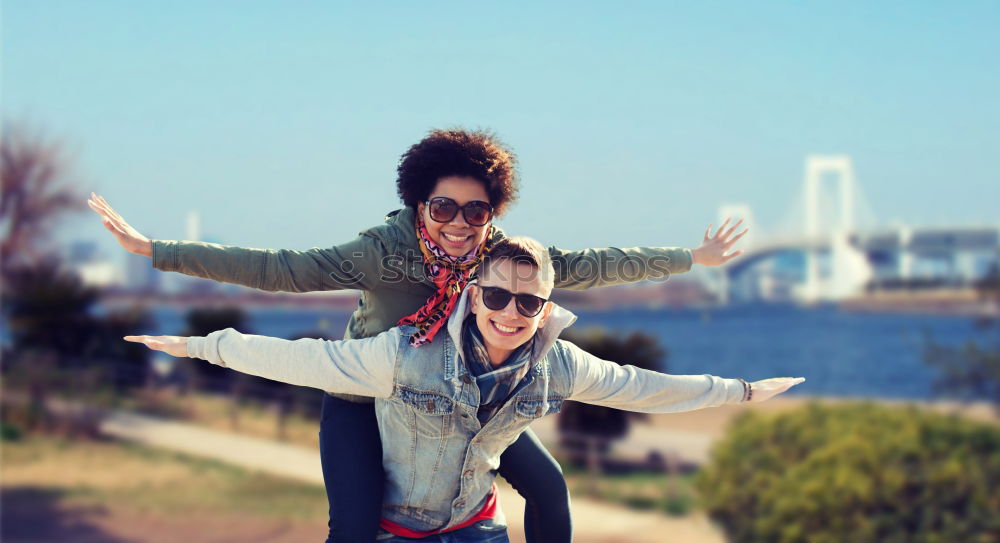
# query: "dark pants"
351,451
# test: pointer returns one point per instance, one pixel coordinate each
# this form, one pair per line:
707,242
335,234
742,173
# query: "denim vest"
433,403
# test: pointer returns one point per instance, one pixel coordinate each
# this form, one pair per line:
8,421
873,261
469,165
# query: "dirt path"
41,523
595,522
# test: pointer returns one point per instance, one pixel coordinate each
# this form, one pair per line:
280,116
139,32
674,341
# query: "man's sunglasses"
497,298
443,209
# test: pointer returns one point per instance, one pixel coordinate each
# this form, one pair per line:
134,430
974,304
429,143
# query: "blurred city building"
94,268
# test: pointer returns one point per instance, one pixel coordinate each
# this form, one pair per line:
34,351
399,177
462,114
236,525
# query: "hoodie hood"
560,319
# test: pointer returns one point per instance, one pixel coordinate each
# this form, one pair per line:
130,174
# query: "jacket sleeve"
589,268
352,366
601,382
353,265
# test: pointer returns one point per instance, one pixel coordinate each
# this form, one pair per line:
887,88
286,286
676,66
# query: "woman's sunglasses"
497,298
443,209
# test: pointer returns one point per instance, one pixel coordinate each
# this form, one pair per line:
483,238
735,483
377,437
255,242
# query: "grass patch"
137,478
221,412
671,494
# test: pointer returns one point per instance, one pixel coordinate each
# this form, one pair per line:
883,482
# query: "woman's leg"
351,450
537,477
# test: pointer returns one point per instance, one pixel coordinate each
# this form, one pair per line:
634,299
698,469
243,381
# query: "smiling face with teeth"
506,329
456,237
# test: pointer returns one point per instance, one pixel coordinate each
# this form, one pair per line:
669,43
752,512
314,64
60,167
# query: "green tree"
972,370
204,376
58,346
201,322
583,427
859,472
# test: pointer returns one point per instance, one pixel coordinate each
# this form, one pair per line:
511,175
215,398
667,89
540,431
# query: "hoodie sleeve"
364,367
601,382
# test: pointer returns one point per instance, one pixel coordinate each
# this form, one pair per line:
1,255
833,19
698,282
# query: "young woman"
410,271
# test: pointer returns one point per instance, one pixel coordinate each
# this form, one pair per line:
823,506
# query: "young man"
447,410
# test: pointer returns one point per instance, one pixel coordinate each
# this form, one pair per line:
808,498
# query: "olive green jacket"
386,265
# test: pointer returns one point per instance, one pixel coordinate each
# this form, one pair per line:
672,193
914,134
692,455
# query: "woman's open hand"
129,238
712,251
172,345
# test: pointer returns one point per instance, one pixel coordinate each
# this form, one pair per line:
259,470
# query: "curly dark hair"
478,154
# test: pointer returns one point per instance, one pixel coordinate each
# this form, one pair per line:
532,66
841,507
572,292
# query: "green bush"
9,432
856,473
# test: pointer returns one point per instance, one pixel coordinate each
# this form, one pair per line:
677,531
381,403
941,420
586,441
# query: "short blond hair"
526,250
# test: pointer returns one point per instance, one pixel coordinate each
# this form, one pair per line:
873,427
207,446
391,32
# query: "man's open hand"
769,388
172,345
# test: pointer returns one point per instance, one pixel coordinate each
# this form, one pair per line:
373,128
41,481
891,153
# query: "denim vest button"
467,474
459,505
430,405
538,411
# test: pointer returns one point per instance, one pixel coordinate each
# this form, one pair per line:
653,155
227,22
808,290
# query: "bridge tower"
737,211
719,280
848,267
816,167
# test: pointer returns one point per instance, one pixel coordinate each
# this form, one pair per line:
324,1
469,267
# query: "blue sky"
282,122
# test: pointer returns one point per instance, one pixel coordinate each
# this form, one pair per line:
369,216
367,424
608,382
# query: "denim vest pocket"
536,409
432,411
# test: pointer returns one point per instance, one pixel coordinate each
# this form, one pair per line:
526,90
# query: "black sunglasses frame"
457,208
518,303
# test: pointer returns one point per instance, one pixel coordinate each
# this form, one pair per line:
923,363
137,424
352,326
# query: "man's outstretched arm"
601,382
352,366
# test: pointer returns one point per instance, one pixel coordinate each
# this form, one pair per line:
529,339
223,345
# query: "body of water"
839,353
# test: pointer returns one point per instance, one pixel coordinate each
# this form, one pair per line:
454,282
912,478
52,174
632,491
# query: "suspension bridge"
831,247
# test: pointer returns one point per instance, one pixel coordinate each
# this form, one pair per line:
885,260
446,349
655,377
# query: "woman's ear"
473,298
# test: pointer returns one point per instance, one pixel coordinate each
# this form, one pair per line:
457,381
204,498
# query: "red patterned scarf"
450,274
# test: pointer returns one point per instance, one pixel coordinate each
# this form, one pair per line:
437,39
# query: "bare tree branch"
36,191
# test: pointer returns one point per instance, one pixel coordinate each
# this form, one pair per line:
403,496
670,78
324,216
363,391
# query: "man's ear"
546,312
420,209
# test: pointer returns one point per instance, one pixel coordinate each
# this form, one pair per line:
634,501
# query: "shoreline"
714,421
690,437
939,301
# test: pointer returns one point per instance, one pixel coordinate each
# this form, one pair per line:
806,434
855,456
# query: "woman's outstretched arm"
590,268
352,265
